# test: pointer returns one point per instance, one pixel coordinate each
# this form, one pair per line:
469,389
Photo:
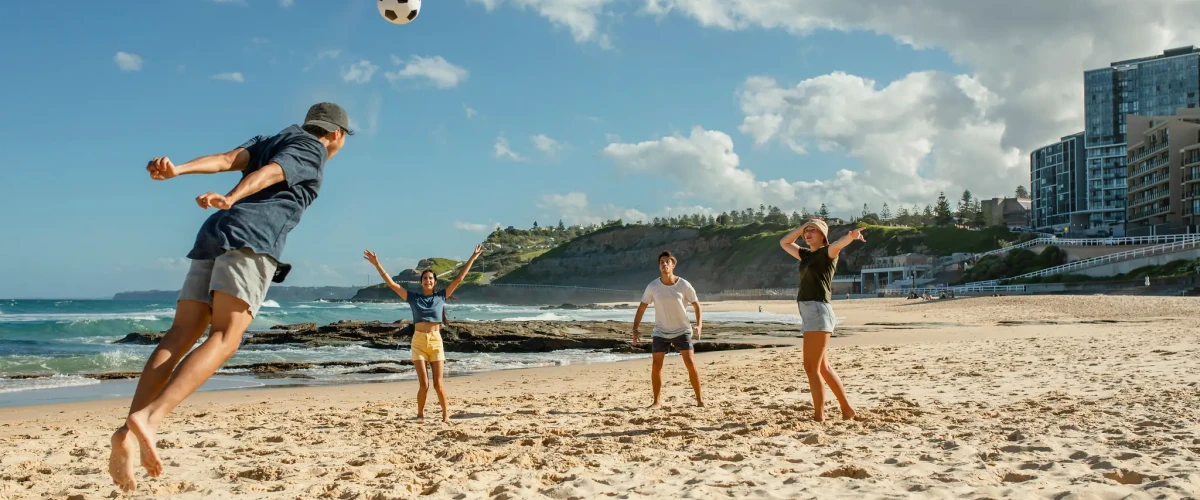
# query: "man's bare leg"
441,393
689,361
656,377
422,389
835,385
231,316
191,320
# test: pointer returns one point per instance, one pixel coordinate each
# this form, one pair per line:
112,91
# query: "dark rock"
112,375
379,370
140,338
27,376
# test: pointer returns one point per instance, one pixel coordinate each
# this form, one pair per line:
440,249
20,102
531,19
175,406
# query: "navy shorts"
680,343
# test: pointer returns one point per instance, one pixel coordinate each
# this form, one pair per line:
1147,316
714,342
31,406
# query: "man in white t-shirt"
670,294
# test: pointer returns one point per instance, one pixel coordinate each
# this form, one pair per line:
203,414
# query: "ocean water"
67,338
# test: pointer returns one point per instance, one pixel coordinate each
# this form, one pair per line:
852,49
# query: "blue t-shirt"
261,221
427,308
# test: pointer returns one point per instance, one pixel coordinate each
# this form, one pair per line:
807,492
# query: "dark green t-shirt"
816,275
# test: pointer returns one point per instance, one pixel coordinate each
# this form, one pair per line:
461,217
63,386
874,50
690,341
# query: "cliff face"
711,258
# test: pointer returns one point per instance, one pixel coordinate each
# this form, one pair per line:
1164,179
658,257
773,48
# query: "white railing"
1176,246
1095,242
958,290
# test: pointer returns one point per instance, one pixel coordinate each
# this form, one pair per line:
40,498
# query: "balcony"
1151,165
1149,152
1140,215
1149,197
1149,183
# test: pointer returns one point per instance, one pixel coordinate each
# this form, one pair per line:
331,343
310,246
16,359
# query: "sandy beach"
1062,397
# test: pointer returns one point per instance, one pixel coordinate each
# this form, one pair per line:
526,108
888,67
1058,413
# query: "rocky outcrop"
485,336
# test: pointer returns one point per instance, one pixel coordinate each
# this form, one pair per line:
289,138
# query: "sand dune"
967,398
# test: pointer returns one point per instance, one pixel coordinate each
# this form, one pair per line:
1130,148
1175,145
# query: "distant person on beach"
817,264
428,311
235,258
670,295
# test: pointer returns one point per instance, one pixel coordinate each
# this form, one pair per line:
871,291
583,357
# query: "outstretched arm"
236,159
466,268
374,260
836,247
261,179
788,242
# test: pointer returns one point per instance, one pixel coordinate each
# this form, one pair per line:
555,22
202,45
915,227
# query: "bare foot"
848,413
140,427
819,416
655,405
699,403
120,467
445,420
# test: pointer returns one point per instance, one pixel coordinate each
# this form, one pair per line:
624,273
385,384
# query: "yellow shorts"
427,347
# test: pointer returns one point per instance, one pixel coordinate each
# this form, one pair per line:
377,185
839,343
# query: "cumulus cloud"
436,70
547,145
574,208
127,61
502,150
229,77
1030,54
581,17
474,227
359,72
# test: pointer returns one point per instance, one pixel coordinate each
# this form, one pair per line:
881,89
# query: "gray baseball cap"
328,117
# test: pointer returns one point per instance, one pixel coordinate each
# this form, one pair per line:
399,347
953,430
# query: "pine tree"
1021,192
795,219
824,213
886,214
866,211
942,215
561,227
979,220
965,207
804,215
723,219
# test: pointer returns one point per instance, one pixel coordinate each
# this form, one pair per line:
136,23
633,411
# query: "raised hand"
371,257
161,168
214,200
478,250
857,234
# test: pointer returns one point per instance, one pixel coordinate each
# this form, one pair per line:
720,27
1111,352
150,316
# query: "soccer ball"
399,11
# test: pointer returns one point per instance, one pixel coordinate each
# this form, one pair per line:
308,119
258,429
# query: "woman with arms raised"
817,264
428,308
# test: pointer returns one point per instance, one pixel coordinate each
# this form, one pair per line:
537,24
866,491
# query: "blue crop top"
427,308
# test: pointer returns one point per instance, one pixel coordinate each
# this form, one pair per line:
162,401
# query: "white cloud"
1030,54
578,16
705,166
359,72
127,61
229,77
547,145
441,73
287,3
171,264
372,110
573,208
501,150
470,111
473,227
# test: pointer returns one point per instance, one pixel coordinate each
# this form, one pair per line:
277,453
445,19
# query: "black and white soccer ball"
399,11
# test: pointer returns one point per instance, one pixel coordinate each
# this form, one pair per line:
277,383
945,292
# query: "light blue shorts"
240,273
816,316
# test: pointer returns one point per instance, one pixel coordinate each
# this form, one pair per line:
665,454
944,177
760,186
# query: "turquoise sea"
67,338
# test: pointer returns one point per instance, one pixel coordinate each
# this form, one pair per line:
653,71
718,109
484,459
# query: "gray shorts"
816,316
680,343
240,273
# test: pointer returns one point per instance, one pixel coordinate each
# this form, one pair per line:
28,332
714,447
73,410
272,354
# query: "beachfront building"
1164,173
899,272
1013,213
1148,86
1058,186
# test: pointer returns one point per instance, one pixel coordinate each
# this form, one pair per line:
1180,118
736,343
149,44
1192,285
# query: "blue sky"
101,88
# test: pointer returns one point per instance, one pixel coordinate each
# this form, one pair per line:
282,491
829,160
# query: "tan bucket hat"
820,225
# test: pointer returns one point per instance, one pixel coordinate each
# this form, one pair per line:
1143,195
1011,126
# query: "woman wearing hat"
817,263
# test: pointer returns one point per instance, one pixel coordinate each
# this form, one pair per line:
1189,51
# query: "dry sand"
1012,397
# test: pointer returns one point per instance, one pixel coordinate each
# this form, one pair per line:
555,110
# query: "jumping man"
235,258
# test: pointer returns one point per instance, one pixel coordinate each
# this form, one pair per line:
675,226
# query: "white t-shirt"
670,306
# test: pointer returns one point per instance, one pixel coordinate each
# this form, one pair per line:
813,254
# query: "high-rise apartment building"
1058,186
1164,173
1148,86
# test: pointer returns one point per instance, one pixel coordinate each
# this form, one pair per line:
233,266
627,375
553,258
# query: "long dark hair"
445,319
